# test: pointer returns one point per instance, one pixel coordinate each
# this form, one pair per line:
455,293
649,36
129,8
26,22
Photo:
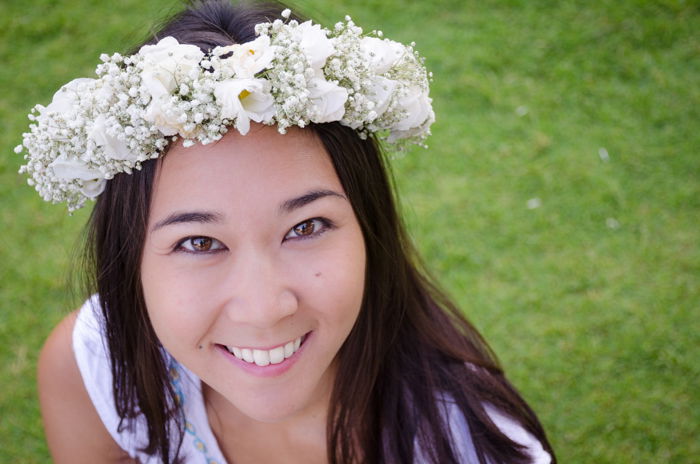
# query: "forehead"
263,166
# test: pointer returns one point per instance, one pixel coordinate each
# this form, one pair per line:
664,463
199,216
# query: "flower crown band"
292,74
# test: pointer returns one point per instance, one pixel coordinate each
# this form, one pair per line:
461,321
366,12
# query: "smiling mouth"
264,358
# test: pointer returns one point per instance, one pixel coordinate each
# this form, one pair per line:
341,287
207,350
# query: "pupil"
201,243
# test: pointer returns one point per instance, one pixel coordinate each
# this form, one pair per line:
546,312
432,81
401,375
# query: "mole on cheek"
318,274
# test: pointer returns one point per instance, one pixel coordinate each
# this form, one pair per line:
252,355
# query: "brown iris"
201,243
305,228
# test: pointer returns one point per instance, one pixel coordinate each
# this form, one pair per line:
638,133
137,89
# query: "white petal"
328,100
417,106
381,54
67,96
93,188
316,45
259,106
243,123
70,169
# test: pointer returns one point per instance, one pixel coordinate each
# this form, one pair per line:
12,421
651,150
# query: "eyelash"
325,226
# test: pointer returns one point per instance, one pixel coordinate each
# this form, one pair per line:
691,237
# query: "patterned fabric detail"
175,375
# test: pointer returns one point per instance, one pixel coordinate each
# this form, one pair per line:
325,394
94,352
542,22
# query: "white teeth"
263,358
277,355
288,349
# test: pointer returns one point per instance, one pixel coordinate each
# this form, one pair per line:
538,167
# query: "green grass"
591,299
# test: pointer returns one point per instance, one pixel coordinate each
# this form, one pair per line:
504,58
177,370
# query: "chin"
271,410
287,400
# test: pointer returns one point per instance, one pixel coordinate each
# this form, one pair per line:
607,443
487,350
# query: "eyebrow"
207,217
202,217
298,202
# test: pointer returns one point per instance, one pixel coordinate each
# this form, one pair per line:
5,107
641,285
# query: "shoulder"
74,430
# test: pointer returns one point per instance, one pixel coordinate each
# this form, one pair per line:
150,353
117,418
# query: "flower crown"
292,74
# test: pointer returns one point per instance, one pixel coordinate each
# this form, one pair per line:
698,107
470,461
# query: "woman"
257,299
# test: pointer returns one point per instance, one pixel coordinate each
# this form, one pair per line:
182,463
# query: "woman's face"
253,268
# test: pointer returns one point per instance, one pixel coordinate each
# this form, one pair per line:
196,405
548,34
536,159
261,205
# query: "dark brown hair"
415,349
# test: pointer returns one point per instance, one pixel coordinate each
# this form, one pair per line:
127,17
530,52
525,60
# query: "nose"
258,292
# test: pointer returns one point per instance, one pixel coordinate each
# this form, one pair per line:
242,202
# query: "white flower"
247,59
417,107
167,63
245,99
67,97
328,100
112,146
315,43
381,54
418,118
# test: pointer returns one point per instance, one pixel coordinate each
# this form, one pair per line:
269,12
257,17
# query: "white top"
199,444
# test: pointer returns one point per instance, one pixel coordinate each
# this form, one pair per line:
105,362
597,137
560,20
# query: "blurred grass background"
558,203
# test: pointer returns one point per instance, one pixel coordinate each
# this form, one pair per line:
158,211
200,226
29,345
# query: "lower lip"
271,370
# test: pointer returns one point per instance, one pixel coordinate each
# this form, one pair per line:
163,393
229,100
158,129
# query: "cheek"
338,284
175,304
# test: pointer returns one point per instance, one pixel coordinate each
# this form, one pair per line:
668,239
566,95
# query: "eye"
199,245
308,229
